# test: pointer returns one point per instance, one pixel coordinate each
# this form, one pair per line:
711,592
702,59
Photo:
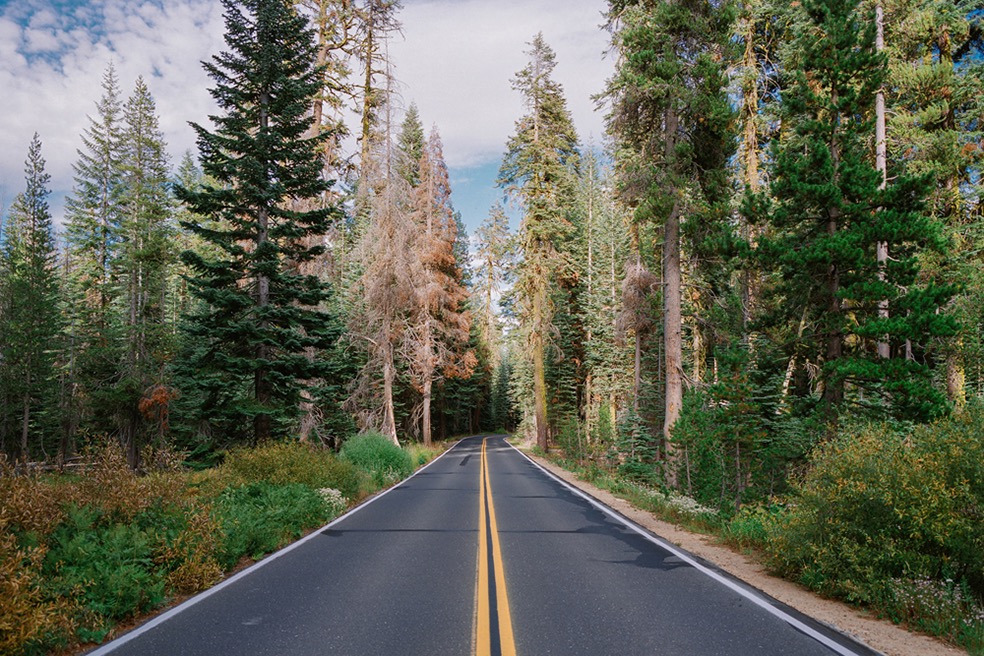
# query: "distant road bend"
482,552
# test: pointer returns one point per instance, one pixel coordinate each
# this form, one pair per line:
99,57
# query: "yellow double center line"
488,537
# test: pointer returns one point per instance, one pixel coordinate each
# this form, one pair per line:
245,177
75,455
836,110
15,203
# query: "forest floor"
879,634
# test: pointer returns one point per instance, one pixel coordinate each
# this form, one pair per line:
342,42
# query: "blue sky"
454,60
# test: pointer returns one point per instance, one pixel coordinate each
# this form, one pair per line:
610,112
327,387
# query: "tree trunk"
881,248
672,335
428,385
833,389
25,425
539,370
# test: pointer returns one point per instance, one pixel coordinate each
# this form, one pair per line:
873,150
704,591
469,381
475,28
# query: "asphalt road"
482,552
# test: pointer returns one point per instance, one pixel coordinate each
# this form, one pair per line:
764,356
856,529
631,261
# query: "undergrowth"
886,517
81,553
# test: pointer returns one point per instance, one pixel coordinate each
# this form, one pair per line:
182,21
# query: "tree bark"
881,159
539,370
672,315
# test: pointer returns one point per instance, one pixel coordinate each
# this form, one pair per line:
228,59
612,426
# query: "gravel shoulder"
881,635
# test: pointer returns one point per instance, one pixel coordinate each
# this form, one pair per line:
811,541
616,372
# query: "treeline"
778,239
783,244
270,287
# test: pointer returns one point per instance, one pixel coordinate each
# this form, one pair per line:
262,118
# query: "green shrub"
261,517
283,463
108,566
376,455
880,505
750,527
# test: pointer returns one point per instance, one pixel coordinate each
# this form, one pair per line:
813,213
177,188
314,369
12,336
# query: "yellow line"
507,645
483,628
483,642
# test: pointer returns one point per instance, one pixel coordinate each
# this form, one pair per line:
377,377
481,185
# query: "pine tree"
935,85
144,258
671,118
493,273
538,171
260,314
830,215
435,345
410,147
92,233
29,321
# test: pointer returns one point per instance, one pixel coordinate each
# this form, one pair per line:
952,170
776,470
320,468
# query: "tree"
260,314
671,117
492,274
143,264
29,321
829,217
538,172
92,232
435,345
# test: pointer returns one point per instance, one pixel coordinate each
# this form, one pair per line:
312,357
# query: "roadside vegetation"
888,517
81,554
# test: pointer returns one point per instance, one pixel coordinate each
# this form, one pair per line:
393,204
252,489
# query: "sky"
455,59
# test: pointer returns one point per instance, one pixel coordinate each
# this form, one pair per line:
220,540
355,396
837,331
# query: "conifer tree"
410,146
260,314
144,258
493,273
92,233
538,172
435,345
29,321
671,118
830,215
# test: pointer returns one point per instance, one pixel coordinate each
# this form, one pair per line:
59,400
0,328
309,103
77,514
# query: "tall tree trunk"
833,389
750,111
539,369
881,163
428,385
673,334
389,374
672,315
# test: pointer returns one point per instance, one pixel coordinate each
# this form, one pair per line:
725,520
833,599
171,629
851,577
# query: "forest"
763,292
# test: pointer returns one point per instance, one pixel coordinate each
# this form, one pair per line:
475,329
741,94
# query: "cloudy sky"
455,59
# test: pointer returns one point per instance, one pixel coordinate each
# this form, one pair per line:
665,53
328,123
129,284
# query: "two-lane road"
481,552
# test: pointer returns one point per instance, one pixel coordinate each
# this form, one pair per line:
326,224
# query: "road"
482,552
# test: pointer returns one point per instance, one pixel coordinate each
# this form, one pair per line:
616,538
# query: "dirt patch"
881,635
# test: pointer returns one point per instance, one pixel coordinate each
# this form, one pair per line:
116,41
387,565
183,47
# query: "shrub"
284,463
261,517
108,566
29,620
879,505
376,455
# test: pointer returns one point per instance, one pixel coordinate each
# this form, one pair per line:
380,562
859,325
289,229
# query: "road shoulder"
881,635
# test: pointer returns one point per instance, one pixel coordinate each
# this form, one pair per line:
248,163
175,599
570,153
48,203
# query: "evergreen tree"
142,267
29,321
538,171
260,314
410,147
829,217
935,88
671,117
435,345
92,233
492,274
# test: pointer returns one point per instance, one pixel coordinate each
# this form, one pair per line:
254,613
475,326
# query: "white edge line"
201,596
747,594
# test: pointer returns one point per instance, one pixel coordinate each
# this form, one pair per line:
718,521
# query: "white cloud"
456,63
458,57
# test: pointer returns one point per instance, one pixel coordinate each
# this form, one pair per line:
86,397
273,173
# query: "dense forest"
774,255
